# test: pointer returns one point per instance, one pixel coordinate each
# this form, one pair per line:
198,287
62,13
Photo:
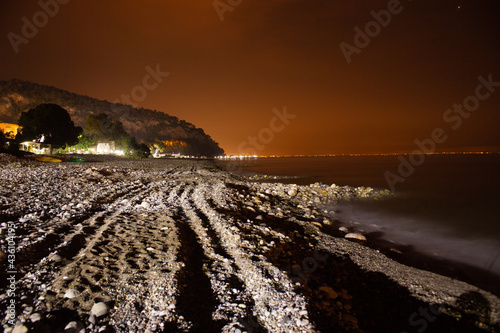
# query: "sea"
444,205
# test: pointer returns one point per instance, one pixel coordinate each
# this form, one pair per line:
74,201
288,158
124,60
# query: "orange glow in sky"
374,91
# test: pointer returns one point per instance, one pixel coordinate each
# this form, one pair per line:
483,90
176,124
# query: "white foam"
426,236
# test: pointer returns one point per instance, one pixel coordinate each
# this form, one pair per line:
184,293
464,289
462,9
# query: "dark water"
448,207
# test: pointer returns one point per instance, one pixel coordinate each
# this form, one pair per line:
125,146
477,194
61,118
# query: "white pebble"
20,328
100,309
35,317
71,293
75,326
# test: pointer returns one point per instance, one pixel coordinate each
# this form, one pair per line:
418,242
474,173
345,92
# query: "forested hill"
145,125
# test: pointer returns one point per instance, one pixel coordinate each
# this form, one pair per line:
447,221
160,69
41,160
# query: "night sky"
226,76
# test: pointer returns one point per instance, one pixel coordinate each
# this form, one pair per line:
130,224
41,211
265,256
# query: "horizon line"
361,154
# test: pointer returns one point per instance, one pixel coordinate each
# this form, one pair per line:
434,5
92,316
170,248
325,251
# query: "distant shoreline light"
234,157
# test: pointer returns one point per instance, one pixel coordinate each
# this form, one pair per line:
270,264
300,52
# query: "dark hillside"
145,125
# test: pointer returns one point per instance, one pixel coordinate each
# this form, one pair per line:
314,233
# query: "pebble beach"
164,245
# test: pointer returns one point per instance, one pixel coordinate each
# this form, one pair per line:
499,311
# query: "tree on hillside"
100,128
48,123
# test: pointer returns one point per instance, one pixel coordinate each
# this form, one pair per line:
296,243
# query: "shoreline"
202,248
406,254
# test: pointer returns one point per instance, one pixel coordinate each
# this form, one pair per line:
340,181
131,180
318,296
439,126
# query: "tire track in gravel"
277,306
69,245
113,245
131,263
196,299
41,262
236,305
147,287
233,305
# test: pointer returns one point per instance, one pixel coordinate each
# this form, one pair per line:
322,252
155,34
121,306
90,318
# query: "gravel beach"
117,245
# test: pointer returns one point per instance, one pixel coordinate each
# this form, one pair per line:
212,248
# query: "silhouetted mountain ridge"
17,96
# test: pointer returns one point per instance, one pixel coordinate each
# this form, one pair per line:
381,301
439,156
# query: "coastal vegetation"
146,126
48,123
